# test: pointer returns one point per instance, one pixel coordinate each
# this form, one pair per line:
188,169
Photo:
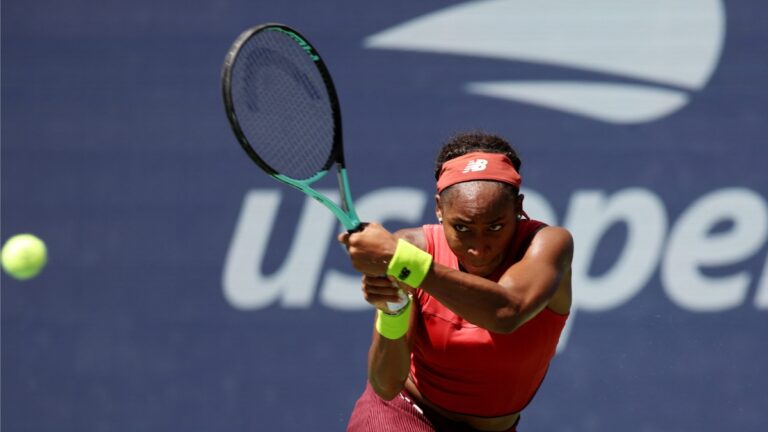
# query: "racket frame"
345,212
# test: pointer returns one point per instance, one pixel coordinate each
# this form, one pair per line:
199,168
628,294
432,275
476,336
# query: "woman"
489,293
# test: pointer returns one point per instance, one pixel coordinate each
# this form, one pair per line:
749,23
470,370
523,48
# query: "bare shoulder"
414,236
553,240
554,245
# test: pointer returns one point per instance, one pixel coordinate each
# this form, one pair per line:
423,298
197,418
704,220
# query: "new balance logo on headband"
478,166
475,165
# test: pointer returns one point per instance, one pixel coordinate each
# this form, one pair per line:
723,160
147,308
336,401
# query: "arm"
389,360
524,289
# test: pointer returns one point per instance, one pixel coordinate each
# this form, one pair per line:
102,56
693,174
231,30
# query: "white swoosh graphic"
613,103
671,42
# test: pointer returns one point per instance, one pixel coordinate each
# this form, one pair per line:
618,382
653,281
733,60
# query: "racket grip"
396,306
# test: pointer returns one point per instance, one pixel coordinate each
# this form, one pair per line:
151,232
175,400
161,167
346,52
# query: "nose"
479,249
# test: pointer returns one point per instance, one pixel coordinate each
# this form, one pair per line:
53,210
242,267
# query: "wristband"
394,326
409,264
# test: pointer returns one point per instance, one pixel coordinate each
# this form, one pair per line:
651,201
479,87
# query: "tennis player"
489,293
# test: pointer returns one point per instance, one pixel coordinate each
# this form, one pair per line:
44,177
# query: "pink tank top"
470,370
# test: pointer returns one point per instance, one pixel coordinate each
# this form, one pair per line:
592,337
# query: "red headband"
478,166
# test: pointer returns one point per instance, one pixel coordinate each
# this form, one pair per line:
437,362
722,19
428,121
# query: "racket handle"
396,306
358,228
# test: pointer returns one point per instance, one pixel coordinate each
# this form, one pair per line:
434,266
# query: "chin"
485,273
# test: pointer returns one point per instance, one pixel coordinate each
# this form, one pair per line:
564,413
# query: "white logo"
675,250
670,48
475,165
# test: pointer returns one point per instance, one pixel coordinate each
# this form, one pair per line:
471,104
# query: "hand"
380,290
371,249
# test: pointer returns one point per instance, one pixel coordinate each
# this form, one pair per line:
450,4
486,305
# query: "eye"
495,227
461,228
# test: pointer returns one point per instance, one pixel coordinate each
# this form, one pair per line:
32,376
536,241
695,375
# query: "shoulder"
553,240
414,236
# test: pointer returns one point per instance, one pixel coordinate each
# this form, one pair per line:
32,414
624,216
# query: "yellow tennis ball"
23,256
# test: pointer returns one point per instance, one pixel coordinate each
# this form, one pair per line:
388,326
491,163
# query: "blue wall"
183,294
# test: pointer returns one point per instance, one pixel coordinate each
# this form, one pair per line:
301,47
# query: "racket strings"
282,105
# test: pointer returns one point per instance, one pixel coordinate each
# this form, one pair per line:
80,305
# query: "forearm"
480,301
388,365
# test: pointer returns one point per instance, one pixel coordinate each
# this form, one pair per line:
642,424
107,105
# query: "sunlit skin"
479,219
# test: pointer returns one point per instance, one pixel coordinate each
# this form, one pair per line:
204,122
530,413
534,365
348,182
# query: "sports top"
470,370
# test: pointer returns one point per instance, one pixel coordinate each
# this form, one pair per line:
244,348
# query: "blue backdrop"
188,292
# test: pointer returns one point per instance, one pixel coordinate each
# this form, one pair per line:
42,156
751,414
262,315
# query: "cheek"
496,244
455,243
509,235
501,243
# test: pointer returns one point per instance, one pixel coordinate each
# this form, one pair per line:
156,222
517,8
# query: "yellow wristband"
394,326
409,264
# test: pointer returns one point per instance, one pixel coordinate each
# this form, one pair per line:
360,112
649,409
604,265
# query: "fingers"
346,238
376,299
366,229
369,250
382,281
378,289
402,286
343,238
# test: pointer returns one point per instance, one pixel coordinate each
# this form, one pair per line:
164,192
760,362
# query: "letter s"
245,287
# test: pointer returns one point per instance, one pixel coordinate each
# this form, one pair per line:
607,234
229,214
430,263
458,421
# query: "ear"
519,206
438,210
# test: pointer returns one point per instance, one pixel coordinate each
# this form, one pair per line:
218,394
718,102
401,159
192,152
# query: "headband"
478,166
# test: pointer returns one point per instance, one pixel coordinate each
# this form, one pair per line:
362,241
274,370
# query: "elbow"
386,392
507,321
505,326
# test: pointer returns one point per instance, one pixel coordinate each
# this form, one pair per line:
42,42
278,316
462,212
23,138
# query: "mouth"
480,269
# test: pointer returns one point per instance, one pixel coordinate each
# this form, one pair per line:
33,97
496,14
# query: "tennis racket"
282,106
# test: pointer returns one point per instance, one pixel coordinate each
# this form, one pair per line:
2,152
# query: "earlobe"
438,212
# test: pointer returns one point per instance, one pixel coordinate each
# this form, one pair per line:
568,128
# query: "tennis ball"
23,256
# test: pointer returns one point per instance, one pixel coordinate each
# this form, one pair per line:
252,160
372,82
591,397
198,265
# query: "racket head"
282,106
281,103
